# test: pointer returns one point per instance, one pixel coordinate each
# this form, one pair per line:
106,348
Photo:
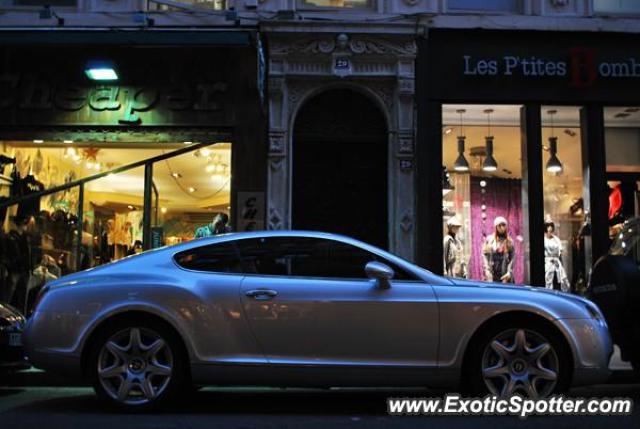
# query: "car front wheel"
526,359
137,365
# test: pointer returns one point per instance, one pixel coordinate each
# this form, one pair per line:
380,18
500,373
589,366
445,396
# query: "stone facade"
380,67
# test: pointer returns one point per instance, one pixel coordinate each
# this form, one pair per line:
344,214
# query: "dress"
498,258
454,264
553,265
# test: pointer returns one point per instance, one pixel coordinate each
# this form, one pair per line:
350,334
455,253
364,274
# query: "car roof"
233,236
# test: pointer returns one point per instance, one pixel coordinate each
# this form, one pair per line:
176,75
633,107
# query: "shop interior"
483,188
39,236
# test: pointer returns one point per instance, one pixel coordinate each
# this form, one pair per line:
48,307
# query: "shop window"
514,6
345,4
188,191
482,201
113,214
38,236
616,6
192,195
566,222
622,142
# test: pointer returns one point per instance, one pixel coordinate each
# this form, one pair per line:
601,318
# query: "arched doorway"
340,167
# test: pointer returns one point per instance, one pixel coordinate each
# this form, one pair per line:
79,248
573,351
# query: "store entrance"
340,167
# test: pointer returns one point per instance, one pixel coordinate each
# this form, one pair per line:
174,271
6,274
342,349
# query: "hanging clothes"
553,268
31,207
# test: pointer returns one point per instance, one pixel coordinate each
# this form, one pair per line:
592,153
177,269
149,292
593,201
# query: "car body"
295,308
12,357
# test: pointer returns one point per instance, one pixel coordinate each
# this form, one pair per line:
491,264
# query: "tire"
137,364
525,358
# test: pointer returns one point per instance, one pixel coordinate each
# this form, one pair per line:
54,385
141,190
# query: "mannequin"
553,269
499,253
453,250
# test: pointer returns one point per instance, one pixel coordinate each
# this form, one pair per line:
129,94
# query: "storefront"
162,150
528,153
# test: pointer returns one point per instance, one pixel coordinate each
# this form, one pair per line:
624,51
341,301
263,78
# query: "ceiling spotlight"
187,143
489,163
176,175
461,164
553,164
38,141
130,207
67,141
192,189
163,209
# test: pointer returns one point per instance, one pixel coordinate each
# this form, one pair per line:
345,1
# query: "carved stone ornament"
405,145
275,220
276,143
406,223
407,86
357,45
276,163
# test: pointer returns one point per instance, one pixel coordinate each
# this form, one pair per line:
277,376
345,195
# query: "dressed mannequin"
553,269
499,254
454,264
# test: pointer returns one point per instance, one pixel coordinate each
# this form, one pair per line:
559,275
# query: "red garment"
615,202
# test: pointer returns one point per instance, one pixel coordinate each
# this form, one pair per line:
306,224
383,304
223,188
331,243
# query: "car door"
308,301
219,332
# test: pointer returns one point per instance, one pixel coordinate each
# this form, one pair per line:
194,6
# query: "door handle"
261,294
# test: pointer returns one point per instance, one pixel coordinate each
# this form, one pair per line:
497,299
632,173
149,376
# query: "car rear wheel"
137,365
525,359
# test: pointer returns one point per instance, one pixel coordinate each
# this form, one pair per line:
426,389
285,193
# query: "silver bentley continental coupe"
298,308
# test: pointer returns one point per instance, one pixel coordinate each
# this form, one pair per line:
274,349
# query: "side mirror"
379,272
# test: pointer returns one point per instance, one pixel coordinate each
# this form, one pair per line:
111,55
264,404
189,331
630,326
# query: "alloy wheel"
520,361
135,366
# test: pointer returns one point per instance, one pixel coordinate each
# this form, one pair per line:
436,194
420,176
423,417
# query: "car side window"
219,257
309,257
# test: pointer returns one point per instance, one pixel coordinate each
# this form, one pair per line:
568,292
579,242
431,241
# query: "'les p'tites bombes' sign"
581,68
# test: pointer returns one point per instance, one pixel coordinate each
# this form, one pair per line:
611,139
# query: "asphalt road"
76,407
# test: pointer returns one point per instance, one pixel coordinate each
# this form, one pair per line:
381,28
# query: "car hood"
521,288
